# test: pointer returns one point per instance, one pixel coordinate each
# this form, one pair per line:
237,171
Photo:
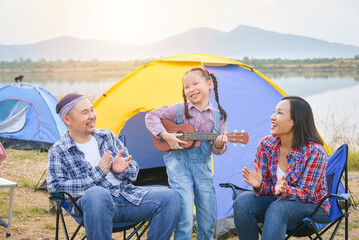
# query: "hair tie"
206,71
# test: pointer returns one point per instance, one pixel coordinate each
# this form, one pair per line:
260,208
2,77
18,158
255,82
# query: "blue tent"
27,117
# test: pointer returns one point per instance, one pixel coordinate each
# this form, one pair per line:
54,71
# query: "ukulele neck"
202,136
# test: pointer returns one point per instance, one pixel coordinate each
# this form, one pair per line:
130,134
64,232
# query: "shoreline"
268,71
325,66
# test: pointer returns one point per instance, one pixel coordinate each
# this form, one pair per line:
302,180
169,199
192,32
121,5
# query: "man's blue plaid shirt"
68,171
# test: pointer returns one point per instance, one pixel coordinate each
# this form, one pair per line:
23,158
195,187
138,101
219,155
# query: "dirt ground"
32,218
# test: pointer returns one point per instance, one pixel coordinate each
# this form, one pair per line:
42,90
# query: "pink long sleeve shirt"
201,121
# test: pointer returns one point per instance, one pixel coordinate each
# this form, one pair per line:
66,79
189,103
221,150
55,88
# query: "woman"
289,178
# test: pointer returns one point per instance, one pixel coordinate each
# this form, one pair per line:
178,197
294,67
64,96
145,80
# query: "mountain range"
243,41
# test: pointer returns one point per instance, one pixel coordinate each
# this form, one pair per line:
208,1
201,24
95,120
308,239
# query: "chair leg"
318,236
63,224
336,229
346,227
337,222
346,202
57,223
136,229
139,230
145,229
138,236
77,230
330,225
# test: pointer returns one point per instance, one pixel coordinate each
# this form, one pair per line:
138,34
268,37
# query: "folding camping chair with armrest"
336,167
139,228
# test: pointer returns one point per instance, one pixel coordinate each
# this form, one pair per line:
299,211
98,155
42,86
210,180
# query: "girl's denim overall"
189,172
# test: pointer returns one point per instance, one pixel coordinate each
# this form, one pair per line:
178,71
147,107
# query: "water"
334,100
59,84
335,105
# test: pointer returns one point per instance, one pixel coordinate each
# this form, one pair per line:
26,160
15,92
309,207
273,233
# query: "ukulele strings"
194,133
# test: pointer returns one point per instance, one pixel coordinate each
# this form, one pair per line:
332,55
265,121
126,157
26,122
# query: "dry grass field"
32,218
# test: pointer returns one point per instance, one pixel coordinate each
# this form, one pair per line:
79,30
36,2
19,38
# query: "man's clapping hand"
106,162
120,164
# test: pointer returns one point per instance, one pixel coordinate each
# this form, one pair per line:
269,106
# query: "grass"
50,226
340,130
24,155
353,161
26,182
30,212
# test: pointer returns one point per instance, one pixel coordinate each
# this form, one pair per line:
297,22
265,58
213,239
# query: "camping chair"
336,166
139,228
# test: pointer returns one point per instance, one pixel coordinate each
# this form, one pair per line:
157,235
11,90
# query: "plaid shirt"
68,171
305,177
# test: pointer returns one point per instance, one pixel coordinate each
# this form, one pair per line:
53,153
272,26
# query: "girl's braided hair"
208,76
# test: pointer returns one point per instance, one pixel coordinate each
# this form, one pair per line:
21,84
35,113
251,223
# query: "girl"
289,178
189,170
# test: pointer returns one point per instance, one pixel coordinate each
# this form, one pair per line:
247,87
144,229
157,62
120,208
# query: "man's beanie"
67,103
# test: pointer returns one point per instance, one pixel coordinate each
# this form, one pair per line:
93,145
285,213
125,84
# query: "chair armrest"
59,198
233,187
344,196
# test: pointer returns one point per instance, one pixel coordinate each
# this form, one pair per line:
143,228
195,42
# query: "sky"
148,21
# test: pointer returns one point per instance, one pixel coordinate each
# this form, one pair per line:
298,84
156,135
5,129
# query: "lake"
334,99
335,104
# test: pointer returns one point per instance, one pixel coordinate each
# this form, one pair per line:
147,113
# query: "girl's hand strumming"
221,140
172,140
253,178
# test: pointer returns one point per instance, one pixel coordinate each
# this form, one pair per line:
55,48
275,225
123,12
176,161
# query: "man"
94,166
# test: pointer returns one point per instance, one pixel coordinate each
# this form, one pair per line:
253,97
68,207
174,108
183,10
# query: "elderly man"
95,167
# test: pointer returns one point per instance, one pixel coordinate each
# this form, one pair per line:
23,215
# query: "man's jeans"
277,215
101,209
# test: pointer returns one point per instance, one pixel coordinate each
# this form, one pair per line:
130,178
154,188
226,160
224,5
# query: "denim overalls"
189,172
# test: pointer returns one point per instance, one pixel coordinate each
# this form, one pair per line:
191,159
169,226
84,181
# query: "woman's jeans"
277,215
101,209
189,173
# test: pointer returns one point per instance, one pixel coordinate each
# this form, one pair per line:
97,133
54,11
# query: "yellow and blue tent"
247,95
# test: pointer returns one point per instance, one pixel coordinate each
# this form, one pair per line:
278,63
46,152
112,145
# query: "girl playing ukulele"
189,169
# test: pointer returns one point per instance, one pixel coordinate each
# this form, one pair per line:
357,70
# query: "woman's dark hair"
304,127
207,76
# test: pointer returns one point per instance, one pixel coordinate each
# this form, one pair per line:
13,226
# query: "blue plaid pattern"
68,171
305,177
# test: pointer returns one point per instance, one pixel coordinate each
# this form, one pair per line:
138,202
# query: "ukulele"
192,138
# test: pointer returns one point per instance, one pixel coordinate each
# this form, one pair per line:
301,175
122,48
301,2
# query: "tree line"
108,65
305,63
